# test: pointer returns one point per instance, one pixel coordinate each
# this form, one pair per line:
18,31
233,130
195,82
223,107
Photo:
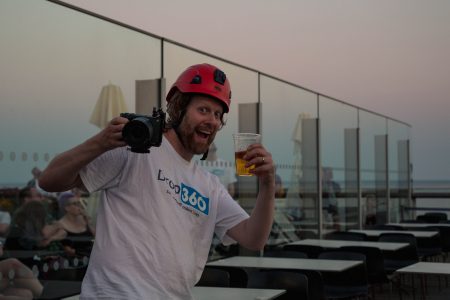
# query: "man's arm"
62,172
253,232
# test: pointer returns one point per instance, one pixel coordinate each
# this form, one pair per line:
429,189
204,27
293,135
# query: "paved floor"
437,288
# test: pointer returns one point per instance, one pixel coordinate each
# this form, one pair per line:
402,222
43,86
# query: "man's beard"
186,135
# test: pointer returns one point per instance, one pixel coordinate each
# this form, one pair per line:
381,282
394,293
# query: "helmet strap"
205,155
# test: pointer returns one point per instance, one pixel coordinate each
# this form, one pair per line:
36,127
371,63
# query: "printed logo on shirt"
191,197
185,196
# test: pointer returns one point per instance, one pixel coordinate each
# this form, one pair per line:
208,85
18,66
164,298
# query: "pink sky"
388,56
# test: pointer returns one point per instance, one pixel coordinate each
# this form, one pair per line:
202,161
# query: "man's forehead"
200,99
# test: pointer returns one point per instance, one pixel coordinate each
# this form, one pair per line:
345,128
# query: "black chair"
315,281
346,236
444,234
295,284
352,283
214,277
429,247
410,221
285,253
436,217
316,290
310,250
376,274
238,276
394,260
386,227
432,217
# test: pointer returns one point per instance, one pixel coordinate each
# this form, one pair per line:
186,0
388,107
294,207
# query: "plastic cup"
241,143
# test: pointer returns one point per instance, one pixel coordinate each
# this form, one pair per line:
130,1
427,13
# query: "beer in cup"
241,143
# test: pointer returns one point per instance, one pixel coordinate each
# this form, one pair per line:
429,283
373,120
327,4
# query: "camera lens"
138,132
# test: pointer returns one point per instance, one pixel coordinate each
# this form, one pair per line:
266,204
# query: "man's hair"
176,109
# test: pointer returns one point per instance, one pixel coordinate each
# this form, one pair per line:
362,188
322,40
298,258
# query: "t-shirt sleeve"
104,171
229,214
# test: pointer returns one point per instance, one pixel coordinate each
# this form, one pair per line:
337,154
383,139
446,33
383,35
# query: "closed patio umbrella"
110,104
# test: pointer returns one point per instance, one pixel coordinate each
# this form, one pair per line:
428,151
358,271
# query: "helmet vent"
196,80
219,77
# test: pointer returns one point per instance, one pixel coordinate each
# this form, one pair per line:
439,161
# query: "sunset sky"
388,56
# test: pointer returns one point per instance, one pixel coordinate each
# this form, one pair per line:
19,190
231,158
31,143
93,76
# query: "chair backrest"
238,276
376,272
398,237
386,227
403,256
436,217
350,283
310,250
285,253
346,236
432,217
295,283
214,277
315,284
444,233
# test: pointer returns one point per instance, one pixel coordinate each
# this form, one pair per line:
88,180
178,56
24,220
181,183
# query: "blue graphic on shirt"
194,199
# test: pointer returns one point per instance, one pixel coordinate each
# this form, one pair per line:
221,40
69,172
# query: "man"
159,211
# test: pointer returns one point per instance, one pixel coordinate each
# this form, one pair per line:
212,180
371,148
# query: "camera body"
142,131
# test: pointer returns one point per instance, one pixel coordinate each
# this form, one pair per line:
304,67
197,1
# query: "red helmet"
204,79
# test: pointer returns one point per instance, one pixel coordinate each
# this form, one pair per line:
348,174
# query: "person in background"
77,224
32,194
36,172
330,189
5,221
28,194
159,211
280,191
29,230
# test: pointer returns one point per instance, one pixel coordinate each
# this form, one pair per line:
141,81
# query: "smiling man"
159,211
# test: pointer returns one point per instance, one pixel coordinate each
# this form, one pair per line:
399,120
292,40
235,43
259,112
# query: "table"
322,265
225,293
426,268
419,225
337,244
417,234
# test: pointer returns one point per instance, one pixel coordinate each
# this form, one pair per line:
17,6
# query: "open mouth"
203,134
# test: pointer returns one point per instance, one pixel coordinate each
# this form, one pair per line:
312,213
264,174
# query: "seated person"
29,230
77,224
24,285
5,221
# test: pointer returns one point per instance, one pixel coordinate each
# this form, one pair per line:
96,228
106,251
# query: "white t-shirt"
155,223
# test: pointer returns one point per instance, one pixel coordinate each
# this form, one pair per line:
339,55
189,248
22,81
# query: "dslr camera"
143,132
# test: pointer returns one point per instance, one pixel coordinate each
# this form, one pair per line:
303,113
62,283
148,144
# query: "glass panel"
286,135
399,177
373,174
338,127
55,76
244,87
56,64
